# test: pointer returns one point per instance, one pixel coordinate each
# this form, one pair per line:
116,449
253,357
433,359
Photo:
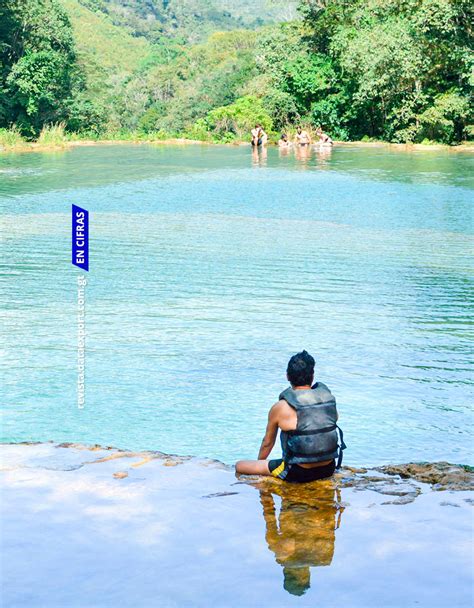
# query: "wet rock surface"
94,526
441,475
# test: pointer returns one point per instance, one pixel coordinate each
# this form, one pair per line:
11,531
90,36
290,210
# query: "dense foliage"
191,21
399,70
37,63
403,68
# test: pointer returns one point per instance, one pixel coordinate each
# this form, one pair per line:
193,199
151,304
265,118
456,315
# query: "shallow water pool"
210,267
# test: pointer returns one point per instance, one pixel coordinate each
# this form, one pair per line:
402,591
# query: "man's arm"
270,434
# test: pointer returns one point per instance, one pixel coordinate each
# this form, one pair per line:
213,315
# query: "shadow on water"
302,534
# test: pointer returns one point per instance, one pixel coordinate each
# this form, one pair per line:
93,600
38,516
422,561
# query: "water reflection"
282,152
259,156
323,155
303,154
303,535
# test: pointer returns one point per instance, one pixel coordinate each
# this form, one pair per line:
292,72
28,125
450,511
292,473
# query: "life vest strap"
326,429
342,446
318,455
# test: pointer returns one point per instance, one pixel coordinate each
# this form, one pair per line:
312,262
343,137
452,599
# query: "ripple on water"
207,274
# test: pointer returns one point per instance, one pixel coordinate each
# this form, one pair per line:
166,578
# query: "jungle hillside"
393,70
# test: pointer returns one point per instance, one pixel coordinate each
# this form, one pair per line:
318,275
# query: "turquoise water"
210,268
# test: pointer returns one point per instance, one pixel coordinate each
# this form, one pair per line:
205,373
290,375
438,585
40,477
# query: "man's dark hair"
300,369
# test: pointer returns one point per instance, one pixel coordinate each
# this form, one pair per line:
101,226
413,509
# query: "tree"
37,62
400,65
445,120
235,120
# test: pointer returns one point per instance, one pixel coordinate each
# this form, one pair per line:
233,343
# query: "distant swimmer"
303,138
324,139
283,142
306,416
259,137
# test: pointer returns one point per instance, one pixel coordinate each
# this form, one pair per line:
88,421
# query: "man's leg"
252,467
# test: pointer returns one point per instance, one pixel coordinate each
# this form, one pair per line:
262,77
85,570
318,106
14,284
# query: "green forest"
393,70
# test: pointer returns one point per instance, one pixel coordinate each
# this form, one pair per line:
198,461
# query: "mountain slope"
101,44
191,20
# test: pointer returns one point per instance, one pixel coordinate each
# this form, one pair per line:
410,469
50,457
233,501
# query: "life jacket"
316,437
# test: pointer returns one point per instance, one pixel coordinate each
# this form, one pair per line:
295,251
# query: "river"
210,267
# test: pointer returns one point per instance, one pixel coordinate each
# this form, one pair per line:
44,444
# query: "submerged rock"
441,475
120,475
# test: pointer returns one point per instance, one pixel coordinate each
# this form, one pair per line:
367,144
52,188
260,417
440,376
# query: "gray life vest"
316,435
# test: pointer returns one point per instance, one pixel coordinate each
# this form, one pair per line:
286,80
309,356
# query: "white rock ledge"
95,527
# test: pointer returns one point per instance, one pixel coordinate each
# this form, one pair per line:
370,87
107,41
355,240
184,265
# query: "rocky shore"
94,526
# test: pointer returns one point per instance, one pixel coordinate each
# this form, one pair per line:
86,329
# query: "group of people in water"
302,138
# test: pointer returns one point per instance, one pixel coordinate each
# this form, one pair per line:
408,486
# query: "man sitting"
306,415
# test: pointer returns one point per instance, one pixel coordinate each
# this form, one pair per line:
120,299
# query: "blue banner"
80,237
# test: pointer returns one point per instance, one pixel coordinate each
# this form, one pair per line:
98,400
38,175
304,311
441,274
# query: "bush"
200,131
86,115
10,138
470,132
327,114
150,120
52,135
157,135
238,119
446,120
281,107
